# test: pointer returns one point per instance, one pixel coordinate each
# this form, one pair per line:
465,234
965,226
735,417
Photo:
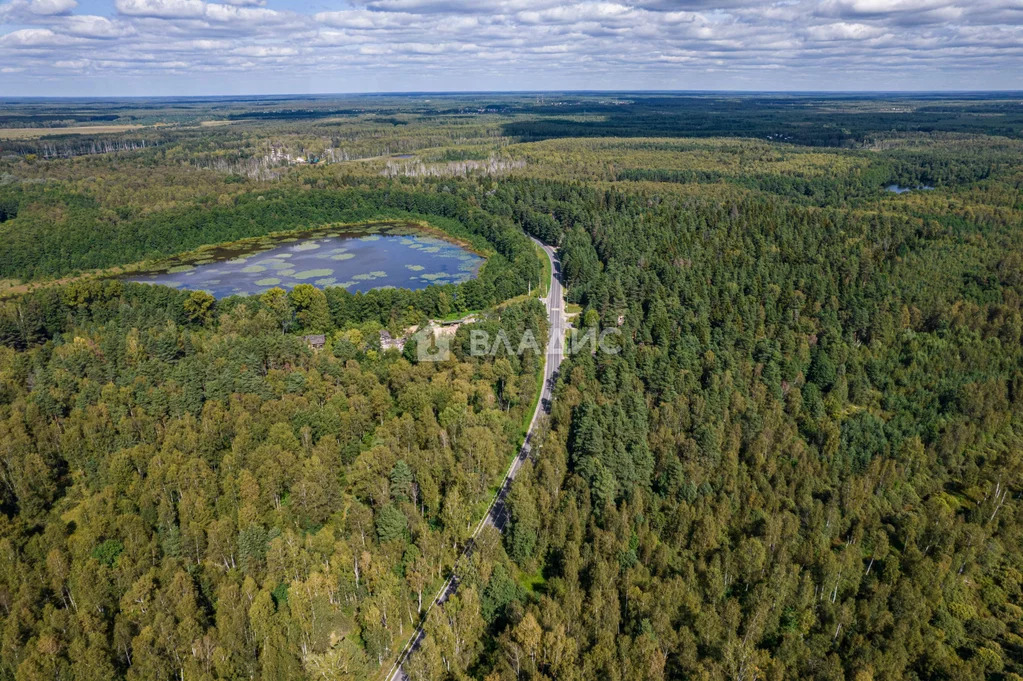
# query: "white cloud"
49,7
232,13
90,26
535,43
567,14
478,7
161,9
264,51
843,30
30,37
366,20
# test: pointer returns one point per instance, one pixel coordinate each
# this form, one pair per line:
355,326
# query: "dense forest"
806,461
823,478
190,492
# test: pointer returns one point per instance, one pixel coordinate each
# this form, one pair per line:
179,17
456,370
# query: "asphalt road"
497,514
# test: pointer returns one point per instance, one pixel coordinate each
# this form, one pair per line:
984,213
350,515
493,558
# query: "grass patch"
528,418
532,582
545,278
455,316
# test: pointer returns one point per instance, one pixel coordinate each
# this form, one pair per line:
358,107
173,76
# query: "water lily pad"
313,274
306,246
285,273
342,256
415,268
370,237
179,268
253,269
326,281
268,281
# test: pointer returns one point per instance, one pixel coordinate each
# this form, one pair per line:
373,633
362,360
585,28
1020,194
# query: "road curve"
497,513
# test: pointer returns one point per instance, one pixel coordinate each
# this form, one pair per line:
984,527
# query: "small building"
316,341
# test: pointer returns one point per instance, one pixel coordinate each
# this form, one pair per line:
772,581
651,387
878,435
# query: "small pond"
902,190
391,255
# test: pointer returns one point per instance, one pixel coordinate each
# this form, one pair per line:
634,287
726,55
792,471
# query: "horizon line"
450,93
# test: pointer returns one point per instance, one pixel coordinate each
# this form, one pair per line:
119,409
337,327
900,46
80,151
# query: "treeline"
906,169
45,314
817,190
807,120
89,237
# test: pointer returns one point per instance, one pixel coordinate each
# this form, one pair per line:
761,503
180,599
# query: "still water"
377,256
902,190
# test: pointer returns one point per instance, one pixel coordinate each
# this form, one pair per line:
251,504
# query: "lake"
359,258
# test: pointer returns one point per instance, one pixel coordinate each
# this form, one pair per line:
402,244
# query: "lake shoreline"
121,272
405,254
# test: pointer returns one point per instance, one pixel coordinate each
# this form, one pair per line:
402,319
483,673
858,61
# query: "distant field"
30,133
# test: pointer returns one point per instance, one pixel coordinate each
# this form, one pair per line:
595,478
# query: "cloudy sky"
190,47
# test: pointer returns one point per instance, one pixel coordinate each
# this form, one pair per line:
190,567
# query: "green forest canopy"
804,463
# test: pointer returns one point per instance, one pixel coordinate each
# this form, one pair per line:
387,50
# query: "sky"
230,47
